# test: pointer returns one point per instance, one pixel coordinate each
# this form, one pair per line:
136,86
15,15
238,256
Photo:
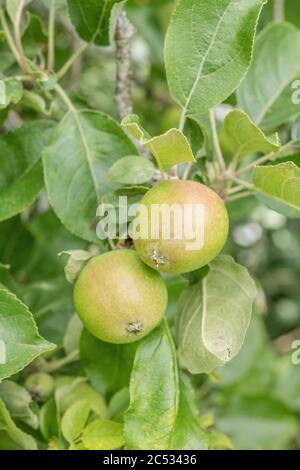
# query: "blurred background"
255,400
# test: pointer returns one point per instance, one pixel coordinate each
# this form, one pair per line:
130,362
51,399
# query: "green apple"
118,298
184,250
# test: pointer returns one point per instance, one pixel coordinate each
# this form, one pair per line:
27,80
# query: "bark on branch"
124,33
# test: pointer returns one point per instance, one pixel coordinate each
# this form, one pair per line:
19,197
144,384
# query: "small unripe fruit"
40,385
175,255
118,298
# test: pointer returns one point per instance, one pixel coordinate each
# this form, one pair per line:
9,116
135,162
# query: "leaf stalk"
9,37
18,35
216,141
51,37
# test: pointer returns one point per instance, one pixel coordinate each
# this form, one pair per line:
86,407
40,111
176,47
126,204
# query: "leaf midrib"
205,302
273,99
98,28
202,63
260,138
87,152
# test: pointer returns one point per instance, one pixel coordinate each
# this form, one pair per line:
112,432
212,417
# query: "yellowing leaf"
169,149
240,137
279,187
103,435
74,419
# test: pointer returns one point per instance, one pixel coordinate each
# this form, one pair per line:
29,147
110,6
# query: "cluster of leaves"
61,158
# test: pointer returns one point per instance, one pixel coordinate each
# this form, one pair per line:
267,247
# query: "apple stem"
216,142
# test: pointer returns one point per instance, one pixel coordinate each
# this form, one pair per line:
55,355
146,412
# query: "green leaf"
257,422
295,131
73,334
18,402
11,437
131,170
49,425
74,391
118,405
79,446
50,300
13,8
57,443
208,50
46,269
115,199
21,170
34,34
94,20
7,58
36,102
287,387
161,414
169,149
248,364
47,83
240,137
19,334
195,134
219,441
83,147
204,121
187,432
195,276
74,420
103,435
279,187
14,91
14,231
213,316
108,366
60,5
2,93
266,93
